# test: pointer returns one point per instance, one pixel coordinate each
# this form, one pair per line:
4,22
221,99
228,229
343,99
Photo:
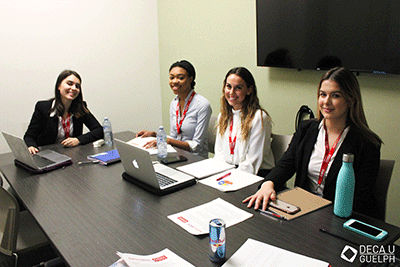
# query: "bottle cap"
348,157
161,127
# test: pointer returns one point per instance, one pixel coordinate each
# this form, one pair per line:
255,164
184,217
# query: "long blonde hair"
249,107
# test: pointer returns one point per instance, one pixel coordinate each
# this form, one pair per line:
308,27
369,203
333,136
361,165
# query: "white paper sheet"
256,253
236,180
206,167
196,220
141,141
162,258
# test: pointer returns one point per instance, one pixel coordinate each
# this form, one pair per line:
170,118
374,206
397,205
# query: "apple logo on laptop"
135,164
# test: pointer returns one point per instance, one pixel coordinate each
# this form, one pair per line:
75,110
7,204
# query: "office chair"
211,133
279,145
382,186
304,113
19,232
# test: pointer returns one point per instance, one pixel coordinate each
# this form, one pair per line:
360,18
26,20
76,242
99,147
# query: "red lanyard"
328,154
66,125
179,125
232,144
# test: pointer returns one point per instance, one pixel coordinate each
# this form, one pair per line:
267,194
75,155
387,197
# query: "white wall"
113,45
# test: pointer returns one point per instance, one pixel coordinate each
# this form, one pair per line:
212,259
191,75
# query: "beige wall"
113,45
218,35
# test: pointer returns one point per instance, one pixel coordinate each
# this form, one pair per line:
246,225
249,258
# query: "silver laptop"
140,170
43,161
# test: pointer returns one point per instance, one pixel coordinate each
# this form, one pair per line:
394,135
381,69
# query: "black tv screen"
362,35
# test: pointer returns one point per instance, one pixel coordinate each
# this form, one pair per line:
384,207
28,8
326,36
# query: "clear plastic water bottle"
107,129
161,142
345,184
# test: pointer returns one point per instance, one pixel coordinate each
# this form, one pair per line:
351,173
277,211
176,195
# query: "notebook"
43,161
156,178
206,167
106,158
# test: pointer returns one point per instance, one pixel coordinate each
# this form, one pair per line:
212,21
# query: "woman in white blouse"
244,128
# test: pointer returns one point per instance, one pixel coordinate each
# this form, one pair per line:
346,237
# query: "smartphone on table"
284,206
365,229
173,159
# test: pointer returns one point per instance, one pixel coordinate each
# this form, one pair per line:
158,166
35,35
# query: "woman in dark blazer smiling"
341,128
61,119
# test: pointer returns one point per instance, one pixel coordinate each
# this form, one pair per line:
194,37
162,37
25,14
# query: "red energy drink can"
217,240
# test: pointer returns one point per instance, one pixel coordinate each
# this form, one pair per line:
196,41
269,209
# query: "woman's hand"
33,150
70,142
150,144
262,196
144,133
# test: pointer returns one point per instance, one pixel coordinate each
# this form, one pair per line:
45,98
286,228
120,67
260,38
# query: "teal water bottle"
345,184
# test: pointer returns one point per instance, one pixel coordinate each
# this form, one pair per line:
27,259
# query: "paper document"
141,141
196,220
256,253
206,167
231,180
162,258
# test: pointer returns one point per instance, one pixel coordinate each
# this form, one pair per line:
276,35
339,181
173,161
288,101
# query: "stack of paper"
162,258
141,141
197,219
231,180
256,253
206,167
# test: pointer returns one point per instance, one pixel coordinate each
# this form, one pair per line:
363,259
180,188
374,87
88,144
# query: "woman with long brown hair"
61,119
316,150
244,127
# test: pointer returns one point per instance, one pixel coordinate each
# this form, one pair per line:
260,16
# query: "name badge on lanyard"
328,155
66,124
232,143
179,124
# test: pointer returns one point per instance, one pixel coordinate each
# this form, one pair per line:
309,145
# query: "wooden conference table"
89,212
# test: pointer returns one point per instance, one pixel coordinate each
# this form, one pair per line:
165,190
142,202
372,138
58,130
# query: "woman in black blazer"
341,128
61,119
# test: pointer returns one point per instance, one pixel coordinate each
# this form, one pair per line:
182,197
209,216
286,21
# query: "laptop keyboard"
41,161
164,180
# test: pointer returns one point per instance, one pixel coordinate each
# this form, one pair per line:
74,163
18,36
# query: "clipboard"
297,196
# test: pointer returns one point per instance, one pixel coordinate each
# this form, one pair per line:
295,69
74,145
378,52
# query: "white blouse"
250,155
317,157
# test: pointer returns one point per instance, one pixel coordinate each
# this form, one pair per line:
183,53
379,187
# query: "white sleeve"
261,128
197,144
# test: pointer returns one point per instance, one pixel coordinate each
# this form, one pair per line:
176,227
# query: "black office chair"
304,113
211,134
21,235
382,186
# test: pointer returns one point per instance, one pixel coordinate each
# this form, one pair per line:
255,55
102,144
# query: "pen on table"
88,162
338,236
271,213
223,176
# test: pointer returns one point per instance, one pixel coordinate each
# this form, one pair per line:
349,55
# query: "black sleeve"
36,125
96,130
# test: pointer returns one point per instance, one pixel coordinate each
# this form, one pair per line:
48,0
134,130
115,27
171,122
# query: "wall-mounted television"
362,35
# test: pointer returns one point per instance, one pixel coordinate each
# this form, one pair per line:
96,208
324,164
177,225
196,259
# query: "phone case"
378,237
284,206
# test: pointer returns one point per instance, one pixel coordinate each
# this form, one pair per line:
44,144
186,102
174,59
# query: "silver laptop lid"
22,154
137,163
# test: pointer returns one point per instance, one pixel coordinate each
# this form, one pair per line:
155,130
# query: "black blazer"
297,158
43,129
